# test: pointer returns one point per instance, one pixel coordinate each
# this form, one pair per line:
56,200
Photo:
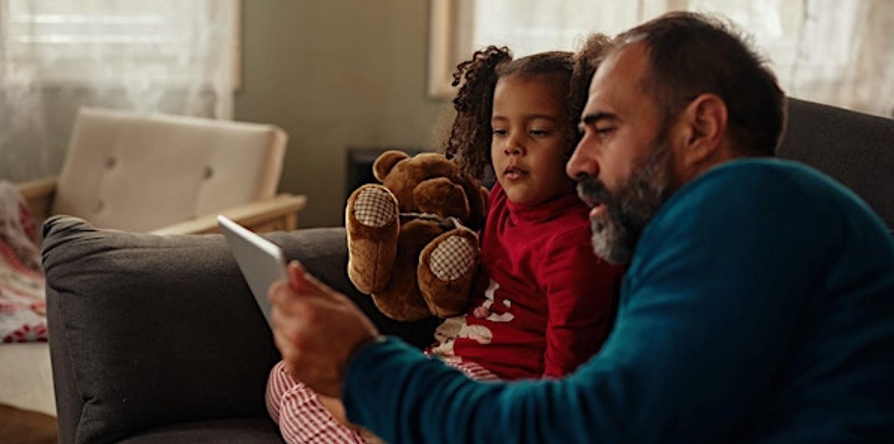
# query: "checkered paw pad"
374,207
452,258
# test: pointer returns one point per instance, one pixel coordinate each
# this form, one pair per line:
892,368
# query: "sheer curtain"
830,51
168,56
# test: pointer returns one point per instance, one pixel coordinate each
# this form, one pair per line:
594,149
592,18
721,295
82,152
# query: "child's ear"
705,122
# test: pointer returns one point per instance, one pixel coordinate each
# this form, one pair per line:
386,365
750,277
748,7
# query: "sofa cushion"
244,431
149,330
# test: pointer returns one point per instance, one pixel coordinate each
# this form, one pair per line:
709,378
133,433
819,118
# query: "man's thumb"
302,282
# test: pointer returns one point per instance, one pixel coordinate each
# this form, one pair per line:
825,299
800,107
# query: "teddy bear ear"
386,161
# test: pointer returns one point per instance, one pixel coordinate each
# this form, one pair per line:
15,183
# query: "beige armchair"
168,174
149,173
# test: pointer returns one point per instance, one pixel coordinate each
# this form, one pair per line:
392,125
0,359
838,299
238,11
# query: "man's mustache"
592,191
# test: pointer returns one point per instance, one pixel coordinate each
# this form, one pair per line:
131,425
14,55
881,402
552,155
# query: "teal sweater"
759,307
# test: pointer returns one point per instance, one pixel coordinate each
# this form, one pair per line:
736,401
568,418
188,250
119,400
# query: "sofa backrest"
854,148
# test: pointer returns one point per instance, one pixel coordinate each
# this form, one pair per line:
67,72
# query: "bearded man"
758,305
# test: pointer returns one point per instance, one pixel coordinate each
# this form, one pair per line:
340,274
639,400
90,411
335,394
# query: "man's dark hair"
692,54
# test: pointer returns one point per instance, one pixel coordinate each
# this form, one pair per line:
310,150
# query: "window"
168,56
822,50
459,27
159,42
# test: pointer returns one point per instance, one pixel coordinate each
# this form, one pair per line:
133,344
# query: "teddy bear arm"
401,298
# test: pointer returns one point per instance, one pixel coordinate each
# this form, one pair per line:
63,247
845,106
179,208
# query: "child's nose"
512,149
513,146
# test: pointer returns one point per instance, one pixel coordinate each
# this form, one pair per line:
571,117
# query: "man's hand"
317,330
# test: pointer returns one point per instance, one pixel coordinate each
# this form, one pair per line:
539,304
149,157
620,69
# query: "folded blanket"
22,297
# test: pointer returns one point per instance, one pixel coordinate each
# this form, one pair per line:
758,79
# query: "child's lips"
514,172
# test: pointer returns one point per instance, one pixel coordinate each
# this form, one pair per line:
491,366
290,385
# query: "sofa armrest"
150,330
277,214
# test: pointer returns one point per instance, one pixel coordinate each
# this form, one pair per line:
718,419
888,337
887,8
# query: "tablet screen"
262,262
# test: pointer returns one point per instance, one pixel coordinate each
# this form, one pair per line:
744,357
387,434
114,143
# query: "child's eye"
538,132
499,132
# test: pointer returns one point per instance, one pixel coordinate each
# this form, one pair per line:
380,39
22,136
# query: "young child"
545,302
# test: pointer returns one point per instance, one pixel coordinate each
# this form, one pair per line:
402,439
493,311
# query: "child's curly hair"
470,136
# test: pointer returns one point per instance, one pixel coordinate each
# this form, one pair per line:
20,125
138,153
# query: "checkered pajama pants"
302,418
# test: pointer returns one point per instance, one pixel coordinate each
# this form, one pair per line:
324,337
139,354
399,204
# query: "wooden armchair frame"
279,213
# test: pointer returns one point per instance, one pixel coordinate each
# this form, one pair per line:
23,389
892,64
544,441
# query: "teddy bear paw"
372,227
453,258
374,206
446,270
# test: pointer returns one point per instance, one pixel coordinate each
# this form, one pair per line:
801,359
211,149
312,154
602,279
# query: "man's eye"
604,131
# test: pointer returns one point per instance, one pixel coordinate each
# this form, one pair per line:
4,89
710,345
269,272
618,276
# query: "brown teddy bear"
412,242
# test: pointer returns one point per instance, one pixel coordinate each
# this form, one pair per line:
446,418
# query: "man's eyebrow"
591,119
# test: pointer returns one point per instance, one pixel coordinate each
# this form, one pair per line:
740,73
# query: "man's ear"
704,121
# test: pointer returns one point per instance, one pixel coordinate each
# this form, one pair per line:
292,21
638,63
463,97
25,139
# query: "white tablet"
261,261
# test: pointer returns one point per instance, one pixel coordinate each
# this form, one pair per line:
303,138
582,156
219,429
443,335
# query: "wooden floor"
25,427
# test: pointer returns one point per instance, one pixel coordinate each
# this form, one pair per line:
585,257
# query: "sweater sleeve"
706,315
581,292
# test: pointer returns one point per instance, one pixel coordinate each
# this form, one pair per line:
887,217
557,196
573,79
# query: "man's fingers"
287,318
306,316
289,353
281,291
305,283
280,295
295,272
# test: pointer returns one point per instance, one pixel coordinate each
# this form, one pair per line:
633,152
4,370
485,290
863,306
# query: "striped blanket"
22,300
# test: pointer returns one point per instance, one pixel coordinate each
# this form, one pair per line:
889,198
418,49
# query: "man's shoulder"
765,218
764,184
763,196
750,178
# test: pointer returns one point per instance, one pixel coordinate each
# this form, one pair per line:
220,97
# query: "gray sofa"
155,339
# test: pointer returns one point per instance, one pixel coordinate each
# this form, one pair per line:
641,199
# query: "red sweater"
547,302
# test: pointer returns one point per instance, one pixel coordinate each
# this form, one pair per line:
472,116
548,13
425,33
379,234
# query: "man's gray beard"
631,207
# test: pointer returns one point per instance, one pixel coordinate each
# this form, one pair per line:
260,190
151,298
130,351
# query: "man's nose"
582,162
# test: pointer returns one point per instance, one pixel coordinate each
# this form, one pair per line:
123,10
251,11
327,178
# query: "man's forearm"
404,397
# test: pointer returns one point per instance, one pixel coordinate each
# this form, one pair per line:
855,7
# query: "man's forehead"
621,70
626,62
